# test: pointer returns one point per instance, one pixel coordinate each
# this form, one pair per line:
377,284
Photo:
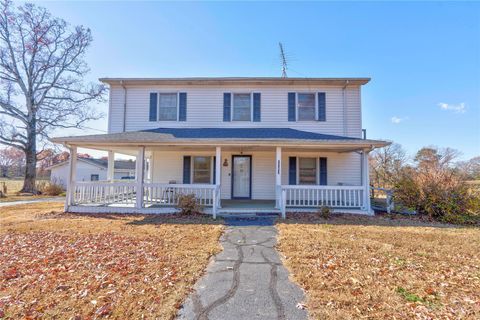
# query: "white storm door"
241,175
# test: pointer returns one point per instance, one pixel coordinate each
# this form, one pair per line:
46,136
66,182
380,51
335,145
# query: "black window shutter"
256,107
292,170
187,162
153,106
323,171
214,169
227,103
291,106
182,105
322,107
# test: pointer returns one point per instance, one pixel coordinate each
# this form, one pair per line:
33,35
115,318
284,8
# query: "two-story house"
238,144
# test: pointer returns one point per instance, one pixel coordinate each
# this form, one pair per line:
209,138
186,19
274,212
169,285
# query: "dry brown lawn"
378,268
67,266
14,186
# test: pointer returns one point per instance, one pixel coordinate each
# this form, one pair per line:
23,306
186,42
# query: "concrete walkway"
12,203
247,279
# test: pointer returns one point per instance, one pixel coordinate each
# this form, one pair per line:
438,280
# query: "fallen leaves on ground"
54,265
379,268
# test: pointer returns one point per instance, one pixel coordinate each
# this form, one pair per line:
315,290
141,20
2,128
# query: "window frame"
232,106
177,93
317,171
315,105
192,168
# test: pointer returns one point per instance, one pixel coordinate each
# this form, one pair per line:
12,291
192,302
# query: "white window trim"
317,170
158,104
192,168
232,106
314,105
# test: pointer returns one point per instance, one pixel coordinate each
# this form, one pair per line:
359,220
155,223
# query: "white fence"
317,196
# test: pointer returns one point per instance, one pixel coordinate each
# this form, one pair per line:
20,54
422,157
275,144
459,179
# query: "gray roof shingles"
246,133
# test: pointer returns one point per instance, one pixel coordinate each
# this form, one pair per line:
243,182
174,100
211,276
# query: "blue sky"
423,58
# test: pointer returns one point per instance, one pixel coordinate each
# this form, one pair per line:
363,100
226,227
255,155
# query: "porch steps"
248,214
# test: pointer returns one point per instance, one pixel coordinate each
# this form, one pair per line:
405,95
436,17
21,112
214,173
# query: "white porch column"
111,166
218,165
218,179
278,177
366,181
140,175
72,176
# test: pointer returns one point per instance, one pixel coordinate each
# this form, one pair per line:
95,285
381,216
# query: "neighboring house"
89,169
238,144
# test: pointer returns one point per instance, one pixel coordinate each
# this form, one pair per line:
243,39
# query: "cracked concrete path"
247,279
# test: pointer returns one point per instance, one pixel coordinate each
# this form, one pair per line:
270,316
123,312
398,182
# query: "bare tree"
470,169
385,164
41,80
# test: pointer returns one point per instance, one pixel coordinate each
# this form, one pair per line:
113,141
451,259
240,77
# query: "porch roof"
221,136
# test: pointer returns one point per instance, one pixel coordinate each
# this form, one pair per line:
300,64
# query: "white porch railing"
103,192
317,196
167,194
124,193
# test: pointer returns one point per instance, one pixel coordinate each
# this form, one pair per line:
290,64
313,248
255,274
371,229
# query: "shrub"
188,204
443,197
324,212
50,188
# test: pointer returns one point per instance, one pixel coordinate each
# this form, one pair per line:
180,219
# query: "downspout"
345,107
124,105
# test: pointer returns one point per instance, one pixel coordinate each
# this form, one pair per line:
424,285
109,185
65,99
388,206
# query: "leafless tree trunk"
41,80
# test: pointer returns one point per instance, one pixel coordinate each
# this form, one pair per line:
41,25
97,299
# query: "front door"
241,177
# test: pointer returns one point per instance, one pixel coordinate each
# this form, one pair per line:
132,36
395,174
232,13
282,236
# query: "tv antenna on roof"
284,60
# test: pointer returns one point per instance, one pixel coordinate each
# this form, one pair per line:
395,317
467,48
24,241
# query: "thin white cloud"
397,120
457,108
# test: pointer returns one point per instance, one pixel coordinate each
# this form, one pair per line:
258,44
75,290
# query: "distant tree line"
12,162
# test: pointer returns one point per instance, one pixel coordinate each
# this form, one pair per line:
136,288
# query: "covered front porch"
227,176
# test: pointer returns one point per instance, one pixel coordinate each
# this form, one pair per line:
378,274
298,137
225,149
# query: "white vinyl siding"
59,174
205,108
343,169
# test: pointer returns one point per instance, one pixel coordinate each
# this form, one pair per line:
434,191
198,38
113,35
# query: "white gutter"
124,105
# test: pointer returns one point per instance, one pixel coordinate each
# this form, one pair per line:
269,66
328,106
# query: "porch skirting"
221,212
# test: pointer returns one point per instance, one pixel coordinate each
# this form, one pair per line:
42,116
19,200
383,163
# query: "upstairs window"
242,107
305,106
307,171
94,177
202,170
167,106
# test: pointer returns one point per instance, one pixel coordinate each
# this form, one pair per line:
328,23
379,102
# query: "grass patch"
56,265
375,267
410,297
